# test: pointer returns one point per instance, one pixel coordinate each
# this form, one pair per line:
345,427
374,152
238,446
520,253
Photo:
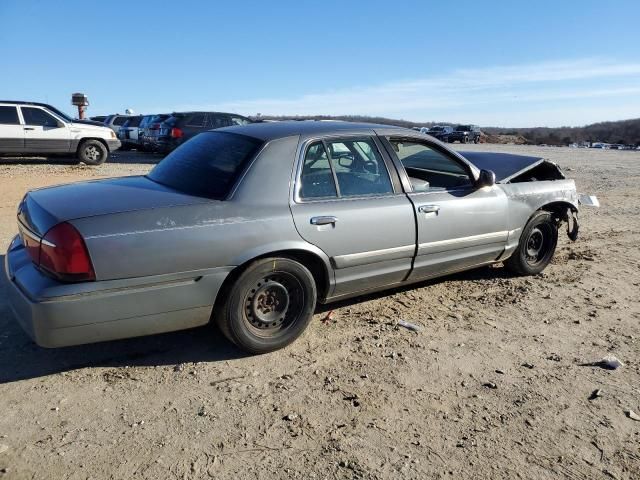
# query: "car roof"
273,130
21,102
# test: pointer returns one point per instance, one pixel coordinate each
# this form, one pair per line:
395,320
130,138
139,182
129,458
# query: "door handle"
428,208
323,220
29,128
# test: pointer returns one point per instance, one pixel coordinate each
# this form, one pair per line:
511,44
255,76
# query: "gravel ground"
493,385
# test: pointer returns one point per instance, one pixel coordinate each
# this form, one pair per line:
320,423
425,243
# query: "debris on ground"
327,318
632,415
608,362
597,393
409,326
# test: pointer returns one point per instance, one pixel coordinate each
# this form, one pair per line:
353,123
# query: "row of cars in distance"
164,132
449,134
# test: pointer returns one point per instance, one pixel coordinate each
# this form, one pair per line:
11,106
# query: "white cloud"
488,94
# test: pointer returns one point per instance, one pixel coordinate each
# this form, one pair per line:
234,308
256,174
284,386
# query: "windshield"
436,129
60,114
207,165
463,128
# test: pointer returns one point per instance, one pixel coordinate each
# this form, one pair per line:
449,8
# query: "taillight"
64,254
176,133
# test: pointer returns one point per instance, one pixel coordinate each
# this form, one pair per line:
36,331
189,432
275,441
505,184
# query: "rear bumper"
57,315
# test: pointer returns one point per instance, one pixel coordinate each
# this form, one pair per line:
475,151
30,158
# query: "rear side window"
219,121
36,116
356,164
9,116
239,121
119,121
208,165
317,178
195,120
135,122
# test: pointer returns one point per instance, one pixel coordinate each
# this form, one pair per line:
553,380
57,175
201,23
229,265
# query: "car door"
459,225
11,130
44,132
348,203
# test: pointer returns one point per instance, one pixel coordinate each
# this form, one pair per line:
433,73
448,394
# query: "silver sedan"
250,226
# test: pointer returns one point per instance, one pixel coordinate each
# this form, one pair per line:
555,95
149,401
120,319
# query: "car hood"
506,166
43,208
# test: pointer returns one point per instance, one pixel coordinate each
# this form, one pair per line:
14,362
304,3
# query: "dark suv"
465,134
441,132
180,127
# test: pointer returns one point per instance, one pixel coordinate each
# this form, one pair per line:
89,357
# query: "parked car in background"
129,133
424,130
250,226
149,124
465,134
182,126
30,128
441,132
114,122
99,118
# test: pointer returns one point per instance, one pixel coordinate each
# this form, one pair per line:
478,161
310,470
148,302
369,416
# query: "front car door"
348,202
44,132
11,130
459,225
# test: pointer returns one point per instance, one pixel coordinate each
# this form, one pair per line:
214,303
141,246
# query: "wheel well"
559,209
101,140
314,263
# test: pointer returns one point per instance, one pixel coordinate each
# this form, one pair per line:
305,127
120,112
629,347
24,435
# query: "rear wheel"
476,139
93,152
269,305
465,140
537,245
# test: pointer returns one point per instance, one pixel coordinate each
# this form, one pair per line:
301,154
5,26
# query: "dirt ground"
491,387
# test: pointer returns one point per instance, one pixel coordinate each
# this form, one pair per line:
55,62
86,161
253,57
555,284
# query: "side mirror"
486,179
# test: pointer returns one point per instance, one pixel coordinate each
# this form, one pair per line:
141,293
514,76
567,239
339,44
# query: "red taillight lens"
176,133
64,253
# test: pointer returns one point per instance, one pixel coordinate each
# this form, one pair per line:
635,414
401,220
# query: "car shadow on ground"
21,358
131,157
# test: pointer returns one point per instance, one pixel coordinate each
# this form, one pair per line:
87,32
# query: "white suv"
29,128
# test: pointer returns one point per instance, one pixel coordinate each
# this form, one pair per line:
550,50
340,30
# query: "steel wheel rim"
537,245
273,304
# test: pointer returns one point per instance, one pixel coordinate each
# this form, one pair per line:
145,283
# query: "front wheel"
93,152
270,304
537,246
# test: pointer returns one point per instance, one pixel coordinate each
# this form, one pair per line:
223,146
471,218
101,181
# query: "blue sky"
500,63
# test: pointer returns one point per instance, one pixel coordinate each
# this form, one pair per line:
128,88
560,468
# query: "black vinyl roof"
273,130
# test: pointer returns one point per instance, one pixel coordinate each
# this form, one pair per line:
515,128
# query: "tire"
476,140
93,152
536,247
268,306
465,140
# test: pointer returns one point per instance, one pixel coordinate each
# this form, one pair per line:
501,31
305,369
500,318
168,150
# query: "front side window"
428,168
119,121
208,165
9,116
219,121
36,116
355,164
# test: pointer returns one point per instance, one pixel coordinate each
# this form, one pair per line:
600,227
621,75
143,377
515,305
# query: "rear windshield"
207,165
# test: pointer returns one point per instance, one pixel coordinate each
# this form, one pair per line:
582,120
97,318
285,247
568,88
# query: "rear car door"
348,202
11,130
44,132
459,225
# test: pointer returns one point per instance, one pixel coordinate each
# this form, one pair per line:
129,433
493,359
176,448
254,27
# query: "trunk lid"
42,209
